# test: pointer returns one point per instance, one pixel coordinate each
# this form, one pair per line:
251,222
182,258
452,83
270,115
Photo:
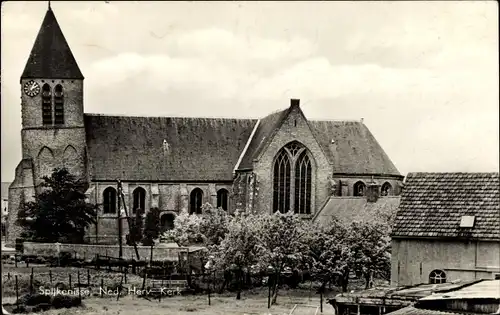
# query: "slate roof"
358,209
432,205
355,151
196,149
51,56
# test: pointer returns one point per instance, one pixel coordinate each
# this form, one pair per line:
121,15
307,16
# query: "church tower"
53,132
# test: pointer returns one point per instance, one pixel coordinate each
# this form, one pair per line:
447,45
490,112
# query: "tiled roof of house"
432,205
133,148
358,209
354,151
411,310
51,56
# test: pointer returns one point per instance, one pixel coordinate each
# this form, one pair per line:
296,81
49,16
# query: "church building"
279,162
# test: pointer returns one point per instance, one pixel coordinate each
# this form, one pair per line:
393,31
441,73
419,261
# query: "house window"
437,276
139,199
386,189
196,200
46,105
222,196
292,194
359,189
109,200
58,105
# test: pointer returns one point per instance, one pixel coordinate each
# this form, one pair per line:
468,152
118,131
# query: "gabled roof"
51,56
432,205
133,148
350,209
354,151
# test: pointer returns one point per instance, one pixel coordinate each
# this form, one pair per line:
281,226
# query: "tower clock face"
31,88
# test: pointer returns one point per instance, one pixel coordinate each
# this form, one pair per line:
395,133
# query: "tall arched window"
196,201
281,182
139,199
287,193
437,276
46,105
109,200
58,105
359,189
386,189
303,172
222,195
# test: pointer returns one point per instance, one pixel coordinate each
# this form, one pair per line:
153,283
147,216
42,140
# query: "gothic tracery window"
386,189
58,105
46,104
222,196
109,200
195,201
359,189
139,199
293,193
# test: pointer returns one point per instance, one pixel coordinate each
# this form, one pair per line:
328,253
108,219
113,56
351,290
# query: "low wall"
84,251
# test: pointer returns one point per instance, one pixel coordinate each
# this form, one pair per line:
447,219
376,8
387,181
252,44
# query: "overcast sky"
423,75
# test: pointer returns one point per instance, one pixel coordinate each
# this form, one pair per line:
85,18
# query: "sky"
422,75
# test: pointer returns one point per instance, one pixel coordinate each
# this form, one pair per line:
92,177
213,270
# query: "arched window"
222,195
46,104
281,182
109,200
196,201
58,105
139,199
386,189
303,184
292,194
359,189
437,276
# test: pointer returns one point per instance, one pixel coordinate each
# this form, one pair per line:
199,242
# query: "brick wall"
90,251
293,128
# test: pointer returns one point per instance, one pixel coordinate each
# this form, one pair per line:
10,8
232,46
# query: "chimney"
294,102
372,191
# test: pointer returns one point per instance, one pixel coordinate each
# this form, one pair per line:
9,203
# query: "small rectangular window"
467,221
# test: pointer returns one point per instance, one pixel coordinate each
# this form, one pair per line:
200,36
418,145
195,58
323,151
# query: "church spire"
51,56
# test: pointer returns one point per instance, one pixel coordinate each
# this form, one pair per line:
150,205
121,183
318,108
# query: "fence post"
97,262
17,293
69,281
50,275
15,260
79,288
126,271
31,281
102,285
8,276
88,277
120,288
27,261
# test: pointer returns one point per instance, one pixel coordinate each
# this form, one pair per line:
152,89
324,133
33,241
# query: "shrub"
31,299
65,301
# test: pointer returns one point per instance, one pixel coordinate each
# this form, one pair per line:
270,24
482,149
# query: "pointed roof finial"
49,6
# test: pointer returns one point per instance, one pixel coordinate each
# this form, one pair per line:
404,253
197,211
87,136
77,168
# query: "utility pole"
122,197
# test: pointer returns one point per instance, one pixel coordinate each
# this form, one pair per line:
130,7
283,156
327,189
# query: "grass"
252,301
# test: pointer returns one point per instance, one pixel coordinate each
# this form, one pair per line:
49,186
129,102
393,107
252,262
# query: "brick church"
279,162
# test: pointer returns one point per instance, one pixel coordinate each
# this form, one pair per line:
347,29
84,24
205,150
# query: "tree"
240,247
136,229
60,212
329,253
370,245
283,242
151,226
213,225
186,230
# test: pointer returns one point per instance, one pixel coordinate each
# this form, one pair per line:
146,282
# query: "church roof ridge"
165,117
51,56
